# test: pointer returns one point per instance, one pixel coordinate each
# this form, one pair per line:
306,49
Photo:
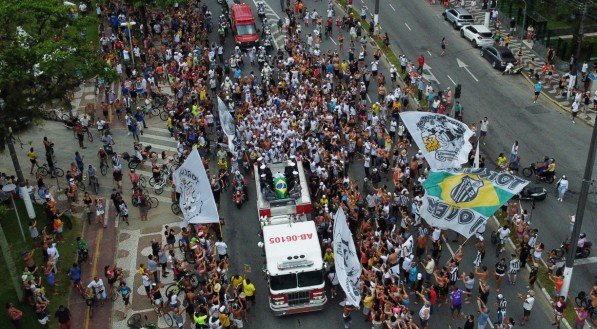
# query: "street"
414,28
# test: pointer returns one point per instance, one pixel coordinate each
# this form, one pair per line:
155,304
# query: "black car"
498,56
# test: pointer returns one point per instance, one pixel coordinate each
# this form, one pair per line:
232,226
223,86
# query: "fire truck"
294,263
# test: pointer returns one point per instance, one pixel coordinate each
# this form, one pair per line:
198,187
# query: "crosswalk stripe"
158,137
160,130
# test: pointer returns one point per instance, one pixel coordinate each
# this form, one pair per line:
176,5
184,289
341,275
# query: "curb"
539,285
548,97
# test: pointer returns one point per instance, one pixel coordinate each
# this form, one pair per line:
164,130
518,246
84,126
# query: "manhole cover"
536,109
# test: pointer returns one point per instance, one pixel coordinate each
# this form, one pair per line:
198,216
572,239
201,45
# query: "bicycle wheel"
95,186
194,280
189,256
152,181
153,202
181,245
42,171
114,295
134,321
169,320
134,201
172,288
58,172
175,208
559,253
81,185
580,302
163,115
104,170
133,164
142,182
159,189
89,136
154,111
527,172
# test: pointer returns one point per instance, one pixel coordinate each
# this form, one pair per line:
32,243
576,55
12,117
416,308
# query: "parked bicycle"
136,322
44,170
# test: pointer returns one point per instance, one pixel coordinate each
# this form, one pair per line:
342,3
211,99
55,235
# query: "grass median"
67,251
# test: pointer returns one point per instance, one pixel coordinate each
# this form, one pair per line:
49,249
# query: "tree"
43,57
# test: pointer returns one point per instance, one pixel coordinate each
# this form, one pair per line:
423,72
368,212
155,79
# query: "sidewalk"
550,91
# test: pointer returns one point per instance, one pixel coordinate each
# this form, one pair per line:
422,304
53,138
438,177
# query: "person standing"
124,212
456,299
125,292
527,305
15,315
574,110
483,129
152,267
562,186
483,317
501,305
581,317
443,46
249,290
538,88
63,317
347,319
33,159
558,310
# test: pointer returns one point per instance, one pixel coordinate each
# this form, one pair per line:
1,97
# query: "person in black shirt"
63,316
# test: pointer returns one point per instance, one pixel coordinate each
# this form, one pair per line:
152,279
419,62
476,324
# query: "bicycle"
104,168
178,286
169,319
175,209
87,131
135,322
81,183
94,183
582,300
44,170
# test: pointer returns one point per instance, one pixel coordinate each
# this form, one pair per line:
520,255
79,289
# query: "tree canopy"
43,55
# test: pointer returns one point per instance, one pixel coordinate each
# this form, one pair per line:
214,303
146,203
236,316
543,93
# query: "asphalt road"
416,27
552,134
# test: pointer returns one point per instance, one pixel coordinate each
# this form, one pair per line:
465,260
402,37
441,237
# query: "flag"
476,162
196,197
227,124
463,199
346,260
444,141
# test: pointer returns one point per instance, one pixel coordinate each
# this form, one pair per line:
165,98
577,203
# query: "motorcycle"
238,198
531,193
533,169
512,68
583,252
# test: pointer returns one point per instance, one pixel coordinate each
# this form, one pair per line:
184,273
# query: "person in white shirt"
222,248
99,289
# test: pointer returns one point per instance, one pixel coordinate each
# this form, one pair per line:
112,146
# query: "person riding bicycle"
74,274
98,287
156,295
103,157
582,240
90,297
156,171
82,247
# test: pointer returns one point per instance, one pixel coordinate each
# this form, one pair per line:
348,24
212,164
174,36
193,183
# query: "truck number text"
289,238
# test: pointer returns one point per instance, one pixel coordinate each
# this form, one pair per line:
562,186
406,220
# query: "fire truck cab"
294,263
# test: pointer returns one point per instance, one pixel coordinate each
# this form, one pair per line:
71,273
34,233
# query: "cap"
217,287
222,309
500,296
153,284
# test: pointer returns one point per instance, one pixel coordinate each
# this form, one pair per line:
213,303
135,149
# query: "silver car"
458,17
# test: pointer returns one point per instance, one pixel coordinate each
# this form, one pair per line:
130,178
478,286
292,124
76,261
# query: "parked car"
498,56
478,35
458,17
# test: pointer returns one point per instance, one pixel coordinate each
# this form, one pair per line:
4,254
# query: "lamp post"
524,20
129,25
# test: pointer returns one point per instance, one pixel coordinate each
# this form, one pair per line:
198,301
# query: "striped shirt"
514,266
502,304
454,274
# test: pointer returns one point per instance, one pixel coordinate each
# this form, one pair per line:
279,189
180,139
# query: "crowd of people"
304,104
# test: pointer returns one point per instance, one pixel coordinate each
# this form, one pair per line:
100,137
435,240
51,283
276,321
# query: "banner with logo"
346,259
444,141
463,199
227,124
196,197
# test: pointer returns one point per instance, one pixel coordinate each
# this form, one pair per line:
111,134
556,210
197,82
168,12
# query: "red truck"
243,26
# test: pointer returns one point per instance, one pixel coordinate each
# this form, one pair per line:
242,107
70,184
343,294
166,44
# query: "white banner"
444,141
196,197
226,120
346,260
462,199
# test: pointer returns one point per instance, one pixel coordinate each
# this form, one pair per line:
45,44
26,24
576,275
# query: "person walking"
484,127
562,186
124,212
538,88
483,317
443,46
15,315
501,305
125,292
528,301
63,316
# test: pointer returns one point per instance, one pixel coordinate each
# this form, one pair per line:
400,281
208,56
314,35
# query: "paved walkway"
550,90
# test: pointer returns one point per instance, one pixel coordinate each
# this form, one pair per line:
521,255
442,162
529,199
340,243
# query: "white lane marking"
584,261
472,75
429,53
451,80
394,9
408,26
333,41
463,65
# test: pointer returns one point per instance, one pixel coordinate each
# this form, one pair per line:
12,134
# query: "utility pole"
581,32
376,16
580,212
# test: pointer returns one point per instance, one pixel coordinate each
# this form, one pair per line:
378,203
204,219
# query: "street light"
129,25
10,188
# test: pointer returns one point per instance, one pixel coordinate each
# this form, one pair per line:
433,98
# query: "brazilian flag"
281,187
